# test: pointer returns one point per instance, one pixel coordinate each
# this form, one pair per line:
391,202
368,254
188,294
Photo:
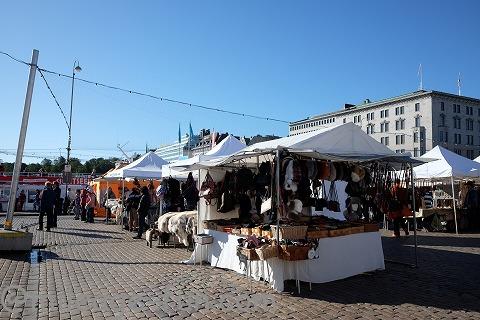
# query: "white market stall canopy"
225,148
449,164
148,166
343,142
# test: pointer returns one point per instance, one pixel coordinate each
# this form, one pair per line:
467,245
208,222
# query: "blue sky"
283,59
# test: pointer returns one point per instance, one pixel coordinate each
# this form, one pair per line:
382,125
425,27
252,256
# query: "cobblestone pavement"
97,271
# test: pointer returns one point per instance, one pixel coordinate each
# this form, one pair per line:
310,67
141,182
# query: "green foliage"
100,165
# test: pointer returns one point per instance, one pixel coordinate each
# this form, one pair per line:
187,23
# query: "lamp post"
77,69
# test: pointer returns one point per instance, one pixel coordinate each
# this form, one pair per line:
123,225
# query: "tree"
47,165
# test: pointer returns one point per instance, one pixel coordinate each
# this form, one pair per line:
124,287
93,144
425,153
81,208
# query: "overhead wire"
54,98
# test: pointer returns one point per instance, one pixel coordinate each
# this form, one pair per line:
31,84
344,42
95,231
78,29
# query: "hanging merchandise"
333,204
323,169
208,190
226,200
320,200
190,192
244,180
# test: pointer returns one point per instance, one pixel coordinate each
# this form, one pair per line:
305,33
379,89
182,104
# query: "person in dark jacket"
47,203
143,207
58,202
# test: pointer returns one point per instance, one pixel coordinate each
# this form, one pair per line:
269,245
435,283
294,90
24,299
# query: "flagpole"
459,84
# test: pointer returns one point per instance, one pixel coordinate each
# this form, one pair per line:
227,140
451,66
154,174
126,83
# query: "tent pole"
106,215
454,206
414,216
123,195
198,205
277,183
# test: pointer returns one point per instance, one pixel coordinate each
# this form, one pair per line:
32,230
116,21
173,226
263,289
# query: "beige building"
414,122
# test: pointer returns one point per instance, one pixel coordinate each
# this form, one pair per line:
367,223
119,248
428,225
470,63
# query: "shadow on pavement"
87,235
444,279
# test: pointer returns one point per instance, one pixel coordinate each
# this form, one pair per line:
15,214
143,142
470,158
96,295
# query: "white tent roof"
477,159
448,164
225,148
148,166
343,142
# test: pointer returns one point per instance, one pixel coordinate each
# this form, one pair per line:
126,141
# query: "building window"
469,110
402,124
397,125
382,127
387,142
415,152
400,139
446,136
387,125
442,120
456,123
415,137
470,140
470,154
456,108
422,136
397,109
440,136
382,114
442,106
469,124
417,107
458,151
417,121
457,138
386,113
402,109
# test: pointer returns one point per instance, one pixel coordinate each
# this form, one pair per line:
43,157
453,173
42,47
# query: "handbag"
208,190
321,203
332,203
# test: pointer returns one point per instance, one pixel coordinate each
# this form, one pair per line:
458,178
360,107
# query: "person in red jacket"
83,203
400,196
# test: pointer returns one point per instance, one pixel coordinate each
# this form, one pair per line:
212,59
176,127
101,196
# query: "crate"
370,227
249,254
267,251
339,232
317,234
356,229
267,234
290,232
257,231
246,231
294,253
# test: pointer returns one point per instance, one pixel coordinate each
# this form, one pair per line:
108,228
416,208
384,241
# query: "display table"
340,257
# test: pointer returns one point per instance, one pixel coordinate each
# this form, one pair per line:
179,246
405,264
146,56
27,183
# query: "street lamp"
76,69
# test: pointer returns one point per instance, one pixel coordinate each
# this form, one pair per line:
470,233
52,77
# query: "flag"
190,134
420,74
179,134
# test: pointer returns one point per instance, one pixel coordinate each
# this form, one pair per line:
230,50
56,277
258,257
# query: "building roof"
406,96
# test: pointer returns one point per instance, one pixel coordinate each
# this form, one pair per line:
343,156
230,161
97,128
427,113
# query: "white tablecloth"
340,257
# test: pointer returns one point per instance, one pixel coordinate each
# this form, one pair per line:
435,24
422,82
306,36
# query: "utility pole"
21,142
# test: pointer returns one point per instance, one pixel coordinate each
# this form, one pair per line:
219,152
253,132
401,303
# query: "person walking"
131,206
58,202
36,202
22,198
143,207
90,205
47,202
401,210
77,202
108,195
83,203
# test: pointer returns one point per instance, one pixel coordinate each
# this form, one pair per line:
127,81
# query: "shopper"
83,203
22,198
472,204
400,210
58,202
90,205
36,202
77,204
47,203
131,207
143,207
108,195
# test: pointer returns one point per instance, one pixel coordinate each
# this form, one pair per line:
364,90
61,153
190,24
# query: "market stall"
449,167
301,207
